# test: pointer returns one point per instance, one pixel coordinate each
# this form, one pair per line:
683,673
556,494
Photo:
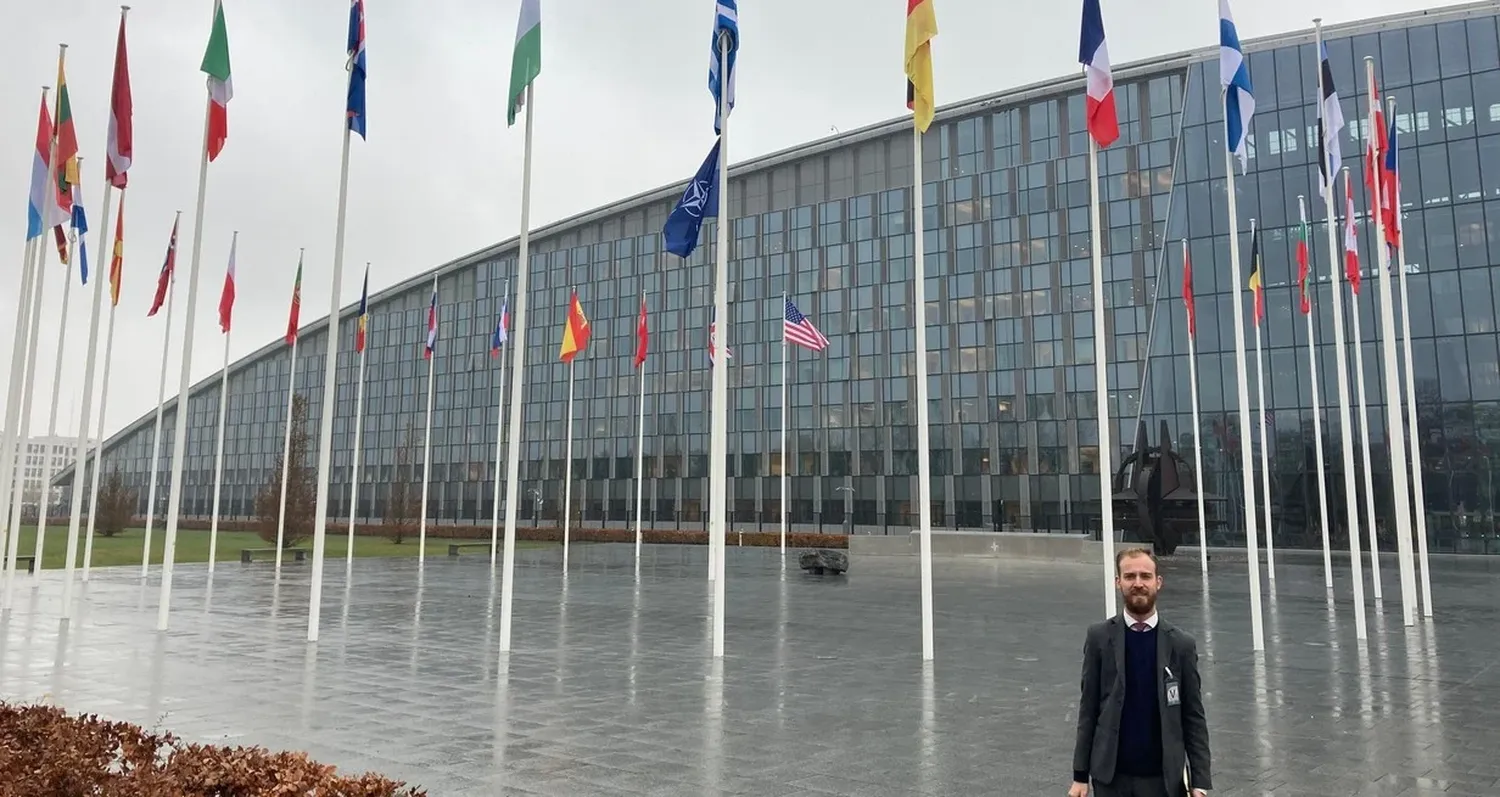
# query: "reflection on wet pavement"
610,688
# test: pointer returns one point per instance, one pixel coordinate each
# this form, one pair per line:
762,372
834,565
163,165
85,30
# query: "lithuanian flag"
575,332
921,26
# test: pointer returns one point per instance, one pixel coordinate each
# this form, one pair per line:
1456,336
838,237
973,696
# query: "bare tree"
114,507
301,487
404,504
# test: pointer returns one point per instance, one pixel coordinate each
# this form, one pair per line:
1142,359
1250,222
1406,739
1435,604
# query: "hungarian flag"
293,321
66,160
117,260
575,332
220,84
226,298
642,336
502,329
1187,292
1303,270
361,322
1351,241
1093,53
526,59
431,343
121,141
921,27
168,268
1255,278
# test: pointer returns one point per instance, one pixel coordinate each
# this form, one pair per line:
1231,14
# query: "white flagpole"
784,462
11,454
1364,423
1412,430
1317,407
109,353
184,390
427,449
1265,436
286,439
499,448
213,523
517,386
1395,434
359,417
1197,440
1247,461
81,454
28,394
718,503
1101,388
330,396
640,454
568,475
924,434
161,404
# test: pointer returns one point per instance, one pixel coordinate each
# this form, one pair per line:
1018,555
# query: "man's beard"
1140,603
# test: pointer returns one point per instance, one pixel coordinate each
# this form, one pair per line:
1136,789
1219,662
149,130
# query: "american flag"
799,331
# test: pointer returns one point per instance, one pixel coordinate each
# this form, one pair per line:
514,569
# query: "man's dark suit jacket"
1184,727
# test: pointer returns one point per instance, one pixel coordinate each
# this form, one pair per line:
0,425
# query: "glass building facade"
1014,422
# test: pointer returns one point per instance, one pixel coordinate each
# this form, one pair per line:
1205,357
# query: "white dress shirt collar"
1131,620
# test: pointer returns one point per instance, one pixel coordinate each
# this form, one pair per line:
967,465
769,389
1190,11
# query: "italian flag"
220,85
526,62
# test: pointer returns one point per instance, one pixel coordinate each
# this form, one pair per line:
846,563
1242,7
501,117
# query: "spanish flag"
921,26
1255,284
576,332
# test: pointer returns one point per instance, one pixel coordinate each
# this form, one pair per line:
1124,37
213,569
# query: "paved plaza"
610,689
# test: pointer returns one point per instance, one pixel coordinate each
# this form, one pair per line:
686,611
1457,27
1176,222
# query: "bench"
456,548
247,555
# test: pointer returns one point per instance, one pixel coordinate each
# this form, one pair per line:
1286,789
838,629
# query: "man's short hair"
1126,553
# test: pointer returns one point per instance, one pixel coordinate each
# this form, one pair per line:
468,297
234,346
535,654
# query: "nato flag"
699,201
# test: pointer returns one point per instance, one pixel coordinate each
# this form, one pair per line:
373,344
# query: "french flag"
1093,53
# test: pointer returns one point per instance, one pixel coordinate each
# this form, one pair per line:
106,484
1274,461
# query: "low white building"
41,461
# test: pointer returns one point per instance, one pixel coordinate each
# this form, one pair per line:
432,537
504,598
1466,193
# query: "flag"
361,322
575,332
220,84
355,107
728,351
293,320
1303,268
37,214
80,228
502,329
797,330
526,60
641,336
226,297
1390,202
699,201
431,344
726,23
164,279
1375,152
1234,76
1330,125
62,243
121,141
66,160
1187,293
1103,122
1351,241
1255,278
921,27
117,261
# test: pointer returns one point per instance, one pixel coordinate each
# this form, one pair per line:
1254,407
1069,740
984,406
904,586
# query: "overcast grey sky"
622,107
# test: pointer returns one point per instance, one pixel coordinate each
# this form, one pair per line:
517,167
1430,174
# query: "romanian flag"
364,314
1255,278
117,261
921,26
575,332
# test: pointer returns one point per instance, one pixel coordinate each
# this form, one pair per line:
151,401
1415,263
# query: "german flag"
921,26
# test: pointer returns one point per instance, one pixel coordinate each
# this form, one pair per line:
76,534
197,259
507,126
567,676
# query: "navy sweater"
1140,722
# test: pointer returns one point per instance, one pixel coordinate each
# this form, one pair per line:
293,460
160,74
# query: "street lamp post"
848,508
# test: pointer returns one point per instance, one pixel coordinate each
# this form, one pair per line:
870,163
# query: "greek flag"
726,22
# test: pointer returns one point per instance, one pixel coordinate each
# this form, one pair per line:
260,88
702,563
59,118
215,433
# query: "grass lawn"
192,546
